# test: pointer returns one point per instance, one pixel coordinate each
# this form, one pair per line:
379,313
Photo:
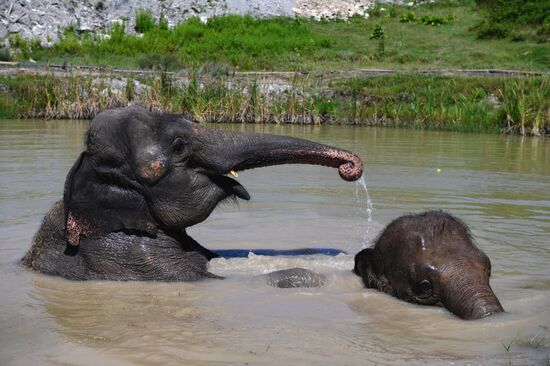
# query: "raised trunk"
224,151
469,296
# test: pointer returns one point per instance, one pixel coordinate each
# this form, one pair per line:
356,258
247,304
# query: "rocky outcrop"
46,19
323,9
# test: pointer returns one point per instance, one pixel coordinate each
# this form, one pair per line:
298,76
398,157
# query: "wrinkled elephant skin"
144,178
430,258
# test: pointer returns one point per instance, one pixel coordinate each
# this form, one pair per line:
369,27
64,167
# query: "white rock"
45,18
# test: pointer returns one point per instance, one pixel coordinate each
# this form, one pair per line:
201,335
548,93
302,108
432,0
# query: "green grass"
244,43
510,105
240,41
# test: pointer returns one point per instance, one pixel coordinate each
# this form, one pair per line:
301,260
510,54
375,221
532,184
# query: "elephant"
144,178
295,278
430,258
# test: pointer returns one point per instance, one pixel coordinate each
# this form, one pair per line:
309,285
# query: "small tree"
378,33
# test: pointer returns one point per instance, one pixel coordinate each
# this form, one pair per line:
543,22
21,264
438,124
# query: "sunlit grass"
245,43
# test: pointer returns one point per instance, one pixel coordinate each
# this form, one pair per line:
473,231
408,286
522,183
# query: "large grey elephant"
141,181
430,258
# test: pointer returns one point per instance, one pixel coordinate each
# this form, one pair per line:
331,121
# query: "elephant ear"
366,266
100,199
362,263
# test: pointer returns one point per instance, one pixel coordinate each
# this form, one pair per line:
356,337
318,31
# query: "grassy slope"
417,46
285,44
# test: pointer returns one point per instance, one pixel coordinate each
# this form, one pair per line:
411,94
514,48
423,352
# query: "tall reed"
510,105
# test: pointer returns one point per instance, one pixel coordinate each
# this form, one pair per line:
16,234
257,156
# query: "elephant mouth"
230,186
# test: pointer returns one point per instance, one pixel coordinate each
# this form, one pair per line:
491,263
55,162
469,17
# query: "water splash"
362,195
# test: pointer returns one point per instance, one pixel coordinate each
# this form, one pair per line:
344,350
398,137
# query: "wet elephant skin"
430,258
144,178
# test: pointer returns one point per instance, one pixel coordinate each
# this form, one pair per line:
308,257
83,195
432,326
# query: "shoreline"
494,101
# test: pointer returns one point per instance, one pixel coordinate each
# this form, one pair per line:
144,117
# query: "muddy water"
499,185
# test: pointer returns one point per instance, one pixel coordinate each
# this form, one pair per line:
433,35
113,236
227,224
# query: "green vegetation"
144,21
438,35
513,105
519,19
4,54
378,34
460,104
241,41
447,34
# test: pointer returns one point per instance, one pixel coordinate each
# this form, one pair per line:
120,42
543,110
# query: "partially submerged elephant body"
427,259
141,181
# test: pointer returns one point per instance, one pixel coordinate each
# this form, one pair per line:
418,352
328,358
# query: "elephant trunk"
468,296
224,151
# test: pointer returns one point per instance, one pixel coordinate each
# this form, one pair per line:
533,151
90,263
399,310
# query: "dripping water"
363,198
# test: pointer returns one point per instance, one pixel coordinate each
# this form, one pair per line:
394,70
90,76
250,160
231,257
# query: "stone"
3,31
48,17
15,28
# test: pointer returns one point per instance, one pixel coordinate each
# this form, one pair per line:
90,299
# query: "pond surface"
498,185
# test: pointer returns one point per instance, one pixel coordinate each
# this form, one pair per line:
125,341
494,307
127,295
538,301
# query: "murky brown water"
499,185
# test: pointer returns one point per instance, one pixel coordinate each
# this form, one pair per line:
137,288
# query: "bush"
163,22
5,54
407,18
70,44
490,30
375,11
378,32
516,11
21,46
144,21
435,20
543,33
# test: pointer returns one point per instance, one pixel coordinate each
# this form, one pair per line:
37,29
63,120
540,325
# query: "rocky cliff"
45,19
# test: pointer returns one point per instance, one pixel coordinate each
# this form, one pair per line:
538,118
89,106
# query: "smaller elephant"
430,258
294,278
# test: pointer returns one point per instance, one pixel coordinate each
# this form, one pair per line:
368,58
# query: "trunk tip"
352,169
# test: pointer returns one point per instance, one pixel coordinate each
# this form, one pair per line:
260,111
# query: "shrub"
490,30
146,62
407,18
516,11
501,15
4,54
144,21
517,37
543,33
70,44
378,33
21,46
163,22
435,20
35,45
375,11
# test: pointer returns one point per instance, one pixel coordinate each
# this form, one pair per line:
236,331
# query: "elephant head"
427,259
142,172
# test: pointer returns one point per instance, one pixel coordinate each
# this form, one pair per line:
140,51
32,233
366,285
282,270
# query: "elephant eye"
178,145
425,287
